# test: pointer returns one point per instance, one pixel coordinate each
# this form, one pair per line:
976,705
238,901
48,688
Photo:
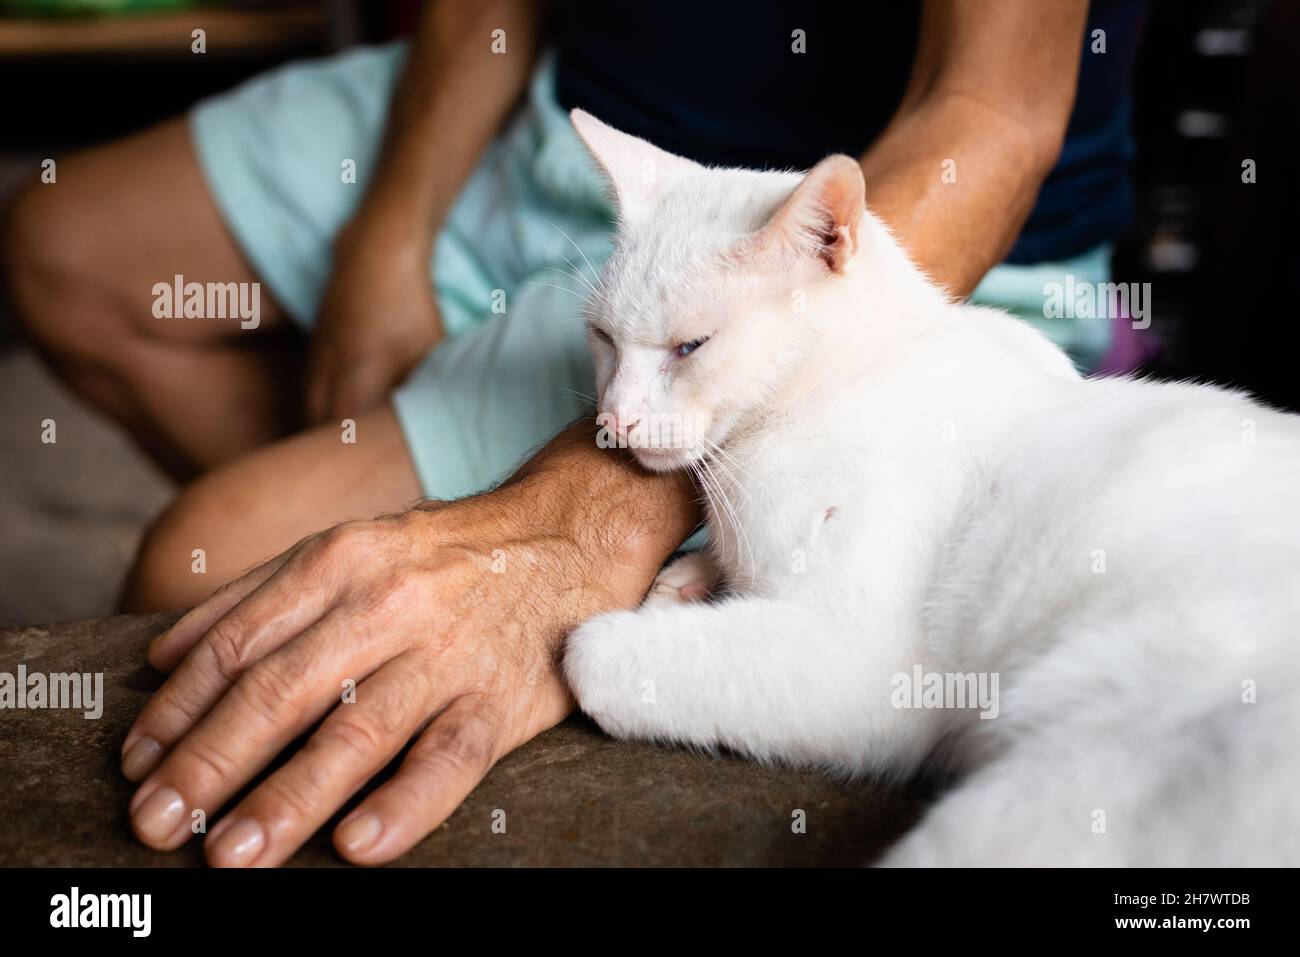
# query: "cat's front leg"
766,678
615,663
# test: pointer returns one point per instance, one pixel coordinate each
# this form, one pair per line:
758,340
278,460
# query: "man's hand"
446,620
378,318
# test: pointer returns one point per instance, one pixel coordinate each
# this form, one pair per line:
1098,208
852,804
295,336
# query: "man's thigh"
130,215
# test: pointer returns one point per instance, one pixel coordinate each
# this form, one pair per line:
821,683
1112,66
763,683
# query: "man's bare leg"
245,512
81,257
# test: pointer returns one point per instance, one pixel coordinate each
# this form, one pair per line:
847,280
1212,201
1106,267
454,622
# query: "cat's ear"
638,171
823,216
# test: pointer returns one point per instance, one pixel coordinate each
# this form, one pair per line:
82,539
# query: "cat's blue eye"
686,348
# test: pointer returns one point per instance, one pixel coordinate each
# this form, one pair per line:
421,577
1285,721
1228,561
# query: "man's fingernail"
360,832
238,845
141,758
159,816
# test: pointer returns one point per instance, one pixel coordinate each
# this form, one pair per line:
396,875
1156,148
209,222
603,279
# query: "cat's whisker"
699,482
708,487
731,475
721,458
723,455
574,392
571,273
551,285
704,498
578,274
733,517
594,271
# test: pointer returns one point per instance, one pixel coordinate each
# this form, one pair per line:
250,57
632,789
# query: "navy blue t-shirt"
718,81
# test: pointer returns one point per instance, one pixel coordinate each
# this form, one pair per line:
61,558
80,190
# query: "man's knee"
171,569
48,272
37,268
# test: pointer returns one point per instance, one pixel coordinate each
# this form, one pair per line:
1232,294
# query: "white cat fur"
907,480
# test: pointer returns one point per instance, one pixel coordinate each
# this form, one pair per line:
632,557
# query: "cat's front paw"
601,666
692,577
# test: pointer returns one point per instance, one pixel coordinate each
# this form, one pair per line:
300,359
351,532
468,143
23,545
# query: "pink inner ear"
823,214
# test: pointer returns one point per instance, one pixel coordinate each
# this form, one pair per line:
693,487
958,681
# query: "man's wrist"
605,525
390,227
609,532
626,519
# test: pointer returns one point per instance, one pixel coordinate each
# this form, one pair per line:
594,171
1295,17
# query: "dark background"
1217,82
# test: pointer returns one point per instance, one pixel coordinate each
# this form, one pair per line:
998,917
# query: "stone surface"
571,796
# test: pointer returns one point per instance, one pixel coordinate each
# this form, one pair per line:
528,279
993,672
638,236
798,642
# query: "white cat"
906,494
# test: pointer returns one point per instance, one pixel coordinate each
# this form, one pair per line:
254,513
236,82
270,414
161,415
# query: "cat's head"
703,311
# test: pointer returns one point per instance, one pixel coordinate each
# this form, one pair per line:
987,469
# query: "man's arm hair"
626,519
991,89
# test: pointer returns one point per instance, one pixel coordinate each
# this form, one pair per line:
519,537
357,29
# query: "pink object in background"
1129,347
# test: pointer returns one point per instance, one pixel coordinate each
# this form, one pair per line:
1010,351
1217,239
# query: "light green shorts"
514,368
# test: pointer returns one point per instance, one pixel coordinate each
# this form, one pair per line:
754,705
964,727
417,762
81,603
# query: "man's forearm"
955,231
958,169
453,95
